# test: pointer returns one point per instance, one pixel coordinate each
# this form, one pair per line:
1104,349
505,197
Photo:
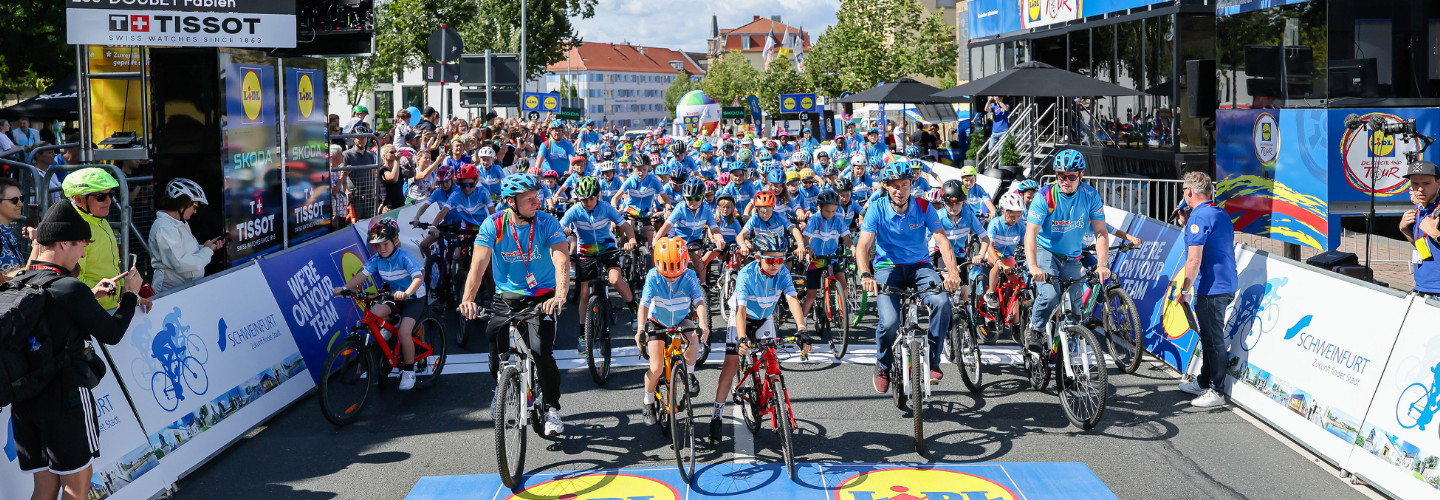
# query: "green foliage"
351,76
731,77
879,41
780,78
678,89
33,53
1009,156
977,142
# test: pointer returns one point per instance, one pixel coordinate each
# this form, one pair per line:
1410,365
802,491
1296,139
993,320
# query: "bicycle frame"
765,390
376,325
519,355
910,330
1008,290
1065,316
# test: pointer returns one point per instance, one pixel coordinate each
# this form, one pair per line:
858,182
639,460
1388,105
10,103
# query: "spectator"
394,169
424,181
92,193
332,127
56,429
6,143
24,135
1000,121
179,258
42,159
340,187
357,124
427,120
359,154
1210,266
12,208
402,134
47,132
1423,176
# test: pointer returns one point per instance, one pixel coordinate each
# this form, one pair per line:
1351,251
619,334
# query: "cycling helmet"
181,186
767,241
1069,161
654,159
723,178
1027,185
709,187
916,164
670,256
694,187
654,148
608,166
844,184
764,155
607,155
832,172
557,124
801,156
662,169
968,170
587,187
443,173
737,165
895,171
724,196
677,148
744,156
792,176
877,162
551,173
88,180
827,197
807,173
706,147
1012,201
578,160
746,141
517,184
912,151
822,154
594,148
764,198
954,191
858,157
934,195
485,152
775,175
467,171
384,230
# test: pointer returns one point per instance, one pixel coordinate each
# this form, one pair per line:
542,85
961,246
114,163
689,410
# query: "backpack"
29,356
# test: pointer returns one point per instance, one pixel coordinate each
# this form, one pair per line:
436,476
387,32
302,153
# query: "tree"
731,78
678,89
879,41
780,78
352,76
33,53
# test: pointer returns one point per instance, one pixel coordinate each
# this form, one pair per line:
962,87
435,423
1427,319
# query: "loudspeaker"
1333,259
1200,88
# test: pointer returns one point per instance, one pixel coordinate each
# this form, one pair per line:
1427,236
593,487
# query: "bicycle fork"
908,358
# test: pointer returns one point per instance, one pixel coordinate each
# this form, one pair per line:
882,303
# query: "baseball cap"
1422,167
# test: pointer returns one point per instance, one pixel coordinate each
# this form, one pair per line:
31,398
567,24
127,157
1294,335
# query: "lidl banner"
1147,273
1271,173
1356,154
253,194
797,103
307,155
301,281
1398,444
1046,12
1302,357
989,18
540,101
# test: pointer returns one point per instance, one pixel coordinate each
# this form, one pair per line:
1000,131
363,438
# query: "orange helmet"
764,198
670,256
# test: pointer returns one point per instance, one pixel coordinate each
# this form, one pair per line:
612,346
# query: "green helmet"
744,155
360,108
968,170
88,180
587,188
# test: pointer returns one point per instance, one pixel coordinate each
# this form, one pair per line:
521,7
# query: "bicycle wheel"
839,324
784,424
859,303
682,422
597,339
1122,330
1081,379
1037,365
195,377
966,352
510,428
435,283
164,391
917,391
1411,405
346,382
429,333
747,395
727,289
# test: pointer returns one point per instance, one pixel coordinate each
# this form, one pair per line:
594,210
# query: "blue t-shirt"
556,154
825,234
592,227
862,186
1005,239
810,194
761,293
921,185
1427,271
671,303
1210,227
777,224
589,136
877,149
686,166
729,227
491,178
674,191
689,224
441,197
742,194
470,209
609,188
1001,119
958,232
640,193
975,197
1062,231
508,252
900,238
398,271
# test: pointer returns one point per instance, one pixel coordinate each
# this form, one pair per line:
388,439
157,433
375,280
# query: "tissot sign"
182,23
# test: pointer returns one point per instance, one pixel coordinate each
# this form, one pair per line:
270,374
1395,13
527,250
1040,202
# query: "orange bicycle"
675,413
362,357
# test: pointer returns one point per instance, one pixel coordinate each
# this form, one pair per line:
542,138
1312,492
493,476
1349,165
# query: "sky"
685,24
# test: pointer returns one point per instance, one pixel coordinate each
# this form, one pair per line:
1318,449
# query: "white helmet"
594,148
181,186
1012,201
607,166
858,156
485,152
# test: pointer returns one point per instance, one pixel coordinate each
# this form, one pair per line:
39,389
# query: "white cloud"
686,25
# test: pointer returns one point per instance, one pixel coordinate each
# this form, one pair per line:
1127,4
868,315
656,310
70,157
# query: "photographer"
55,431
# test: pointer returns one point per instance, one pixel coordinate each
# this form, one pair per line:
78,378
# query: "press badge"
530,281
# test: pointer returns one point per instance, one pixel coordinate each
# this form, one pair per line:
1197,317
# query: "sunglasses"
1069,177
15,200
695,198
772,261
102,196
467,185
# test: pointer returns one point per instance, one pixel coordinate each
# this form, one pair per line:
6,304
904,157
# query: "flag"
800,49
769,45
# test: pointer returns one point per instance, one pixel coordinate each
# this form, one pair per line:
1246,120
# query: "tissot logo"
184,24
139,23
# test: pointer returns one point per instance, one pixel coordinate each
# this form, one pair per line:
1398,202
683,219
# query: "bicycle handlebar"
367,297
907,291
447,228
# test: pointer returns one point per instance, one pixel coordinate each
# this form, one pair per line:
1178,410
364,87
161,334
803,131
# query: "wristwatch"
866,275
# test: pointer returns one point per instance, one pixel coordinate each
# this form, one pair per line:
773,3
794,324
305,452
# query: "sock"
719,410
689,368
649,398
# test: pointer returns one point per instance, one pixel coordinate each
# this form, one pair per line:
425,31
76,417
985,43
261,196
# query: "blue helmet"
767,241
518,183
1027,185
707,147
896,170
1069,161
694,187
763,155
876,161
663,168
557,124
775,175
738,165
912,150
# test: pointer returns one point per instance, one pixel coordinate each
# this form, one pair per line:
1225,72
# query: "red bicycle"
362,357
760,394
1015,298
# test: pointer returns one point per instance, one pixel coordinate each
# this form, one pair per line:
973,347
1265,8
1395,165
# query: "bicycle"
364,355
445,276
1013,310
912,350
598,320
857,300
674,409
185,367
832,317
1082,384
764,394
519,399
1124,340
962,344
637,262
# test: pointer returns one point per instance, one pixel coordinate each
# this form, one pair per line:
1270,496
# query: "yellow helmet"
792,176
807,173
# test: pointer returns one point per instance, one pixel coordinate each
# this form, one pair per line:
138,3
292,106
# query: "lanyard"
515,233
47,267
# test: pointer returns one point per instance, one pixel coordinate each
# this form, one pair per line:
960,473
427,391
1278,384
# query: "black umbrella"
1035,78
57,102
902,91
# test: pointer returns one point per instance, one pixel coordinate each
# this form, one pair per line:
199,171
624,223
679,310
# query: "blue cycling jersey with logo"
398,270
671,303
760,293
975,197
900,238
1062,231
742,193
810,194
592,227
958,232
441,197
825,233
690,224
776,223
510,262
729,227
491,178
1005,237
640,193
470,208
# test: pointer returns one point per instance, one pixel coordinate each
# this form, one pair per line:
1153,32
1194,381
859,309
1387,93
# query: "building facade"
750,39
624,84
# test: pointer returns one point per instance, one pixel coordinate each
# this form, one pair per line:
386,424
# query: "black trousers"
498,333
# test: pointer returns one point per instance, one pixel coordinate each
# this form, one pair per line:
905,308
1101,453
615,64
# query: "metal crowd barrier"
1154,198
122,208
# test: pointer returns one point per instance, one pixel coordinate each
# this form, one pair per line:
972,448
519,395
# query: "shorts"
408,308
56,431
939,263
766,330
814,274
588,268
655,331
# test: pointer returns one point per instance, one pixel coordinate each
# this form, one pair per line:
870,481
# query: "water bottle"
1085,299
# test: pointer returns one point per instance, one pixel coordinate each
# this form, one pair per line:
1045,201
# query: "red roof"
756,31
595,56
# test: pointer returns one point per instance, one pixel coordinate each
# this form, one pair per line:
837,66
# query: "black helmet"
827,197
844,184
695,187
384,230
767,241
677,148
954,191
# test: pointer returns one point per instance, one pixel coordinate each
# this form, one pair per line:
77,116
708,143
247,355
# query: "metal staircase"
1035,134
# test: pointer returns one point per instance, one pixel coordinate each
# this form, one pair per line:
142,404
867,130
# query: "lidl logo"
599,486
306,95
552,103
1266,138
1381,144
1368,153
250,94
920,484
806,103
1032,9
1266,131
788,103
532,101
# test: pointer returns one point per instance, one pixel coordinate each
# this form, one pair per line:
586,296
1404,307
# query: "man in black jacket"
56,432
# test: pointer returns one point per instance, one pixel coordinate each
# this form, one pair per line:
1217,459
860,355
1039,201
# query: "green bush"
1008,154
977,142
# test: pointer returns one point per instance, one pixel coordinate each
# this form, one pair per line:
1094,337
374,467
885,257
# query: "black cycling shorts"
408,308
57,430
588,268
939,263
655,331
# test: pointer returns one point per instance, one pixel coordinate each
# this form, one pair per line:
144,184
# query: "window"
744,43
594,93
597,77
552,78
412,95
596,108
1248,52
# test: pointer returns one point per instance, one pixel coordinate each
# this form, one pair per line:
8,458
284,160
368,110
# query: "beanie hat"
62,223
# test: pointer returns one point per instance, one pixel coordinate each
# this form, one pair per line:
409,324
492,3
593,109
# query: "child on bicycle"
445,186
758,289
1005,234
825,234
959,222
690,221
727,226
766,220
591,221
398,269
671,298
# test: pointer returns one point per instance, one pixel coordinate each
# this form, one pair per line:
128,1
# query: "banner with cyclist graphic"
1398,445
1300,356
302,280
1146,274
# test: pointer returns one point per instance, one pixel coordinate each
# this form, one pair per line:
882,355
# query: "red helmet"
467,171
577,160
764,198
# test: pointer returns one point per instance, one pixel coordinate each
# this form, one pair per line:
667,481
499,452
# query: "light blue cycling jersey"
789,206
686,166
776,224
440,197
640,193
398,270
760,293
742,193
1062,231
470,209
673,190
729,227
690,224
810,194
609,188
958,232
671,303
975,196
592,227
1004,238
920,186
490,178
825,233
556,155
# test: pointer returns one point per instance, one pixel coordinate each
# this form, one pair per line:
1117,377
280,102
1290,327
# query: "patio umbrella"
902,91
1035,78
57,102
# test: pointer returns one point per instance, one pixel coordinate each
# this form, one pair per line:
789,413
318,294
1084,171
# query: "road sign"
797,103
445,45
504,70
732,113
441,72
804,116
571,114
534,115
475,98
538,101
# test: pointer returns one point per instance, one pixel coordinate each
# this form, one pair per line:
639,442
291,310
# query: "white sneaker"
1210,398
991,300
407,380
1192,388
553,425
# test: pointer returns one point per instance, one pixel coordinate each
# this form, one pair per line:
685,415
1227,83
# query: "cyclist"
758,289
1027,189
491,173
793,201
639,191
976,195
523,278
471,204
808,190
739,190
960,224
874,147
1005,234
727,226
850,208
550,194
1054,237
826,233
557,149
896,228
444,187
672,184
609,182
397,269
690,222
672,296
766,220
858,175
591,220
168,348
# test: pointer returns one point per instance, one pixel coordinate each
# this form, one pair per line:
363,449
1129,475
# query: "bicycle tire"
356,369
783,424
748,397
1405,408
917,390
682,422
435,283
727,289
1123,328
1082,395
597,339
859,306
1037,370
966,352
167,400
840,329
194,375
431,332
510,428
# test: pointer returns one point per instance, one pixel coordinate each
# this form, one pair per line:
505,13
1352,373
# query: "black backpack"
29,356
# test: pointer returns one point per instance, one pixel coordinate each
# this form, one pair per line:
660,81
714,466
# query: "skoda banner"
307,155
252,161
181,23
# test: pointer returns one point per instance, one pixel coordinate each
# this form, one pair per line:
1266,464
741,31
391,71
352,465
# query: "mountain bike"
519,402
828,312
1124,340
636,263
962,344
445,275
760,391
674,409
857,300
1076,357
356,364
1013,310
911,381
598,320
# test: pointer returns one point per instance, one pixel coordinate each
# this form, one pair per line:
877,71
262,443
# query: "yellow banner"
115,105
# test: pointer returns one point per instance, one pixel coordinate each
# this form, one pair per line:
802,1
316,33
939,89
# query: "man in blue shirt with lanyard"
897,227
514,242
1424,186
1210,266
1054,237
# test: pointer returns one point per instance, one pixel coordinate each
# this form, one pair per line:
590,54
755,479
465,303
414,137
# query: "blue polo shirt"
510,244
900,238
1209,226
556,155
1062,230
